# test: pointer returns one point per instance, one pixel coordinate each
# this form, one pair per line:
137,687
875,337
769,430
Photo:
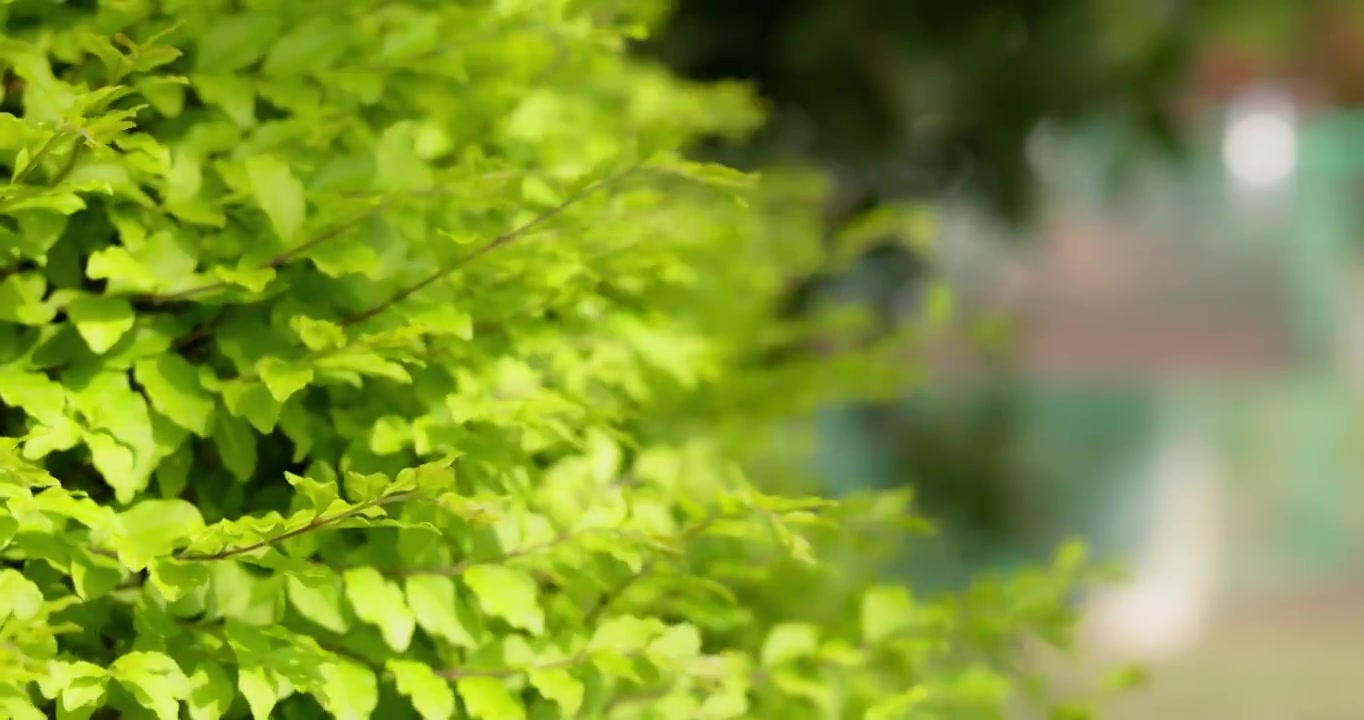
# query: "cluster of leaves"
389,359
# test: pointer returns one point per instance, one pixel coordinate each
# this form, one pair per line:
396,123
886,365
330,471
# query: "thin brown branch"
610,597
463,566
317,523
38,157
497,242
279,260
466,672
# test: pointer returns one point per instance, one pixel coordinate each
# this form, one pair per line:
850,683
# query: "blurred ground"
1298,657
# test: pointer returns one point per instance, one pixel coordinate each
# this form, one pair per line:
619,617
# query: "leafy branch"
610,597
38,156
318,523
462,673
279,260
505,238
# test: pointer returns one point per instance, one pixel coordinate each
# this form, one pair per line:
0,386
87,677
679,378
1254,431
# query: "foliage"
391,360
921,98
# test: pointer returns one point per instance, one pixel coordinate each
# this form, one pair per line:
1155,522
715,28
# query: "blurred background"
1150,217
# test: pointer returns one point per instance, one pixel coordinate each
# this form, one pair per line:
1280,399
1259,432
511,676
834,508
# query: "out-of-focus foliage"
390,359
916,97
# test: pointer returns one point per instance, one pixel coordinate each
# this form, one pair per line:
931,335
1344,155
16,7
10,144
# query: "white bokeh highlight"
1260,147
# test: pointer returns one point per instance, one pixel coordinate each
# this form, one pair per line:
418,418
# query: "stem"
609,598
317,523
503,239
38,156
463,673
278,260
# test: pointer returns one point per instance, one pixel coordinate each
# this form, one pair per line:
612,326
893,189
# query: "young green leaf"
431,695
436,606
789,641
20,598
84,688
261,689
210,692
319,600
154,679
558,685
236,445
278,194
350,690
488,698
509,594
101,321
379,602
174,388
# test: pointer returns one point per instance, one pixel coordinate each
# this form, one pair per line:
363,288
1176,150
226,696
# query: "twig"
463,673
282,258
38,156
315,524
503,239
611,596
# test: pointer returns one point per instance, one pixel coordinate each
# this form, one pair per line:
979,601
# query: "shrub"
390,359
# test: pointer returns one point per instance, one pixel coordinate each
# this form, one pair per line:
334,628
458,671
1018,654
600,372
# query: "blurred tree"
911,98
917,100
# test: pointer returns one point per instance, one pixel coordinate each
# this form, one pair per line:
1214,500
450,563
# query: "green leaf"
379,602
84,688
19,597
233,43
678,645
254,402
8,528
509,594
391,434
624,634
320,495
430,694
400,168
154,528
730,701
33,392
318,334
319,600
165,93
278,193
94,576
173,387
17,705
898,705
350,691
789,641
283,378
885,612
260,688
489,699
559,685
175,579
233,94
101,321
254,279
435,604
154,680
236,445
210,692
117,463
362,487
1127,677
312,46
21,300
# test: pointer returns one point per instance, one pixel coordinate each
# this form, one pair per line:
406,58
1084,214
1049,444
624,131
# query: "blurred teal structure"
1080,456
